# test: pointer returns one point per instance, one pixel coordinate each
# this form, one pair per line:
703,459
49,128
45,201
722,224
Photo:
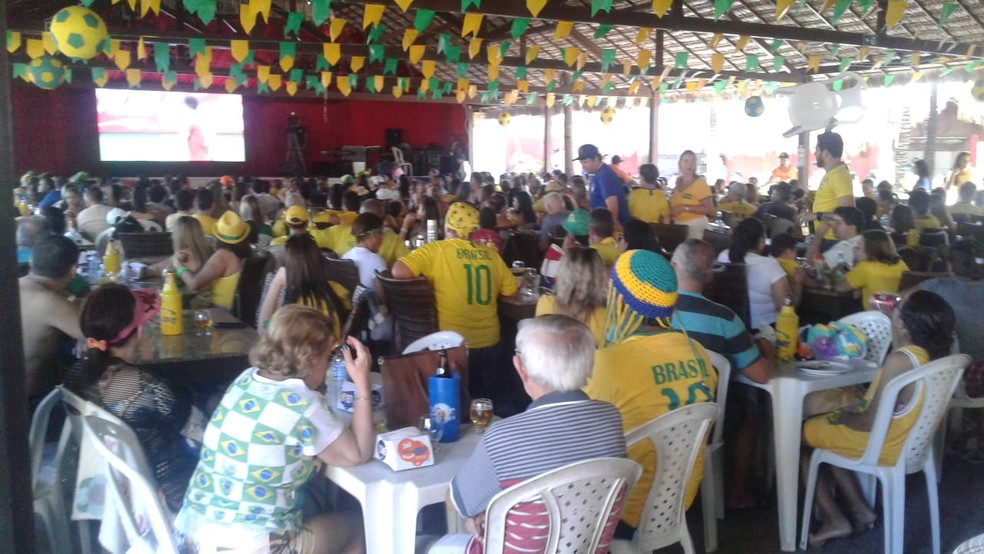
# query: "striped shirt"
716,328
558,429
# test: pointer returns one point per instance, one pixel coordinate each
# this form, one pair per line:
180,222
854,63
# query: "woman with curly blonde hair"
580,291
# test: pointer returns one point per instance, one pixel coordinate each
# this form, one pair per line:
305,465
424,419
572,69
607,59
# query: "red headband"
146,305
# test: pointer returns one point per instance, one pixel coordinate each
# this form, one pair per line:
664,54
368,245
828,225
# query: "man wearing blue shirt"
607,189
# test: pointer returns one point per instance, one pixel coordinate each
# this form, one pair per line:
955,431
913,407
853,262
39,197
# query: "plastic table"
391,499
788,387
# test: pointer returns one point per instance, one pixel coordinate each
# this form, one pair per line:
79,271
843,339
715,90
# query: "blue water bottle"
443,391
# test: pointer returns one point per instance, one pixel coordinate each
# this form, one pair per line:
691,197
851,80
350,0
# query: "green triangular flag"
519,26
775,46
452,54
295,75
466,3
421,94
353,81
309,81
436,93
375,32
170,76
402,82
198,84
370,85
889,56
390,67
196,46
946,11
320,10
293,24
443,41
98,73
680,60
322,64
603,29
777,62
446,89
422,19
600,5
520,72
663,87
607,58
376,52
108,46
318,87
751,62
191,6
576,75
839,8
250,59
888,79
485,98
494,86
504,47
973,65
262,87
837,85
162,56
679,81
719,86
206,11
288,49
606,87
865,5
10,37
845,63
947,70
236,71
567,99
87,3
461,70
771,87
722,7
531,98
551,85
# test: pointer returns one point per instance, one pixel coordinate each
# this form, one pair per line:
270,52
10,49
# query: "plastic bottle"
111,261
787,331
172,321
92,266
840,270
443,390
337,379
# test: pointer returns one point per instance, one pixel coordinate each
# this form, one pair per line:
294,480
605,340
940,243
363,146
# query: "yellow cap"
296,215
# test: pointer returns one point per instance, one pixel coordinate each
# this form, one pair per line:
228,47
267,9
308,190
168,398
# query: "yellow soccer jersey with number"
645,377
467,279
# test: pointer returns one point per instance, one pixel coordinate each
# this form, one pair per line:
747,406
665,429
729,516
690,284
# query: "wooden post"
547,139
16,513
568,139
470,127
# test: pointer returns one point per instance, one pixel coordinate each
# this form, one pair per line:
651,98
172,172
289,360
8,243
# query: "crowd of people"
621,336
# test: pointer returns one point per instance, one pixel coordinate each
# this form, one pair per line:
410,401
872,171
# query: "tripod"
295,152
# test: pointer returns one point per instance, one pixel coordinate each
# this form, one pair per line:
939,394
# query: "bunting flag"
321,64
472,91
422,19
782,8
427,68
452,54
813,63
372,15
660,7
549,75
493,55
162,56
681,60
416,53
578,86
404,4
774,47
13,41
133,78
642,60
535,6
196,47
424,87
371,85
493,72
634,86
520,73
48,42
288,53
461,70
603,30
531,98
462,85
777,62
203,62
168,79
563,29
607,58
511,97
262,73
839,8
827,4
600,6
722,7
99,76
474,47
471,24
894,14
122,59
335,27
293,24
845,63
291,87
35,48
262,88
582,60
888,78
376,52
206,11
570,55
325,78
357,63
715,40
320,10
751,62
717,62
523,86
376,32
742,43
275,82
205,80
332,52
626,68
409,35
946,11
518,27
531,52
719,87
141,49
148,5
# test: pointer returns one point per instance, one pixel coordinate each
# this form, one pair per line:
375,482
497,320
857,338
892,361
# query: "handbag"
405,383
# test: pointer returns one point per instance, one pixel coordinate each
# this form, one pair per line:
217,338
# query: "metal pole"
547,139
568,139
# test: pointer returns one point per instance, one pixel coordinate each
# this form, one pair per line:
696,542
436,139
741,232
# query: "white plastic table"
391,499
788,387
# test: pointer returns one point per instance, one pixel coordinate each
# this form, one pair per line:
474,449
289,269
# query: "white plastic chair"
939,379
441,340
130,487
404,165
878,328
48,483
712,483
581,501
678,437
971,546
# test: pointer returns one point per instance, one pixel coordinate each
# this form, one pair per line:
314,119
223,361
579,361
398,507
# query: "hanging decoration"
722,7
504,118
977,91
660,7
78,32
535,6
754,106
471,24
46,72
607,114
372,15
895,12
320,10
946,11
782,8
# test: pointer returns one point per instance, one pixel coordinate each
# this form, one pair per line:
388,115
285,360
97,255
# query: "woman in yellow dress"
922,331
580,291
221,271
692,200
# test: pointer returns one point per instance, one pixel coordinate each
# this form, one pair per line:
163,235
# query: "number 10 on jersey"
479,280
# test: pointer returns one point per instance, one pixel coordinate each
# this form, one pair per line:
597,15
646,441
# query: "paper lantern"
754,106
504,119
607,114
978,90
78,32
46,72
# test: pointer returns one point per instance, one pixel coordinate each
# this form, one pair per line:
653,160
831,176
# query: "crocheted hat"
231,229
462,218
643,286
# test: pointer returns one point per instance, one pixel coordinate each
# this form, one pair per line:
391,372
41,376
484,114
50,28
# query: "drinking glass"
203,323
481,413
433,425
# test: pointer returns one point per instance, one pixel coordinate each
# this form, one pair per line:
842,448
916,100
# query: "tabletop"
518,307
823,305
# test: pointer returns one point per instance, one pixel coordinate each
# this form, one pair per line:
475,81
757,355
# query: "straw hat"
231,229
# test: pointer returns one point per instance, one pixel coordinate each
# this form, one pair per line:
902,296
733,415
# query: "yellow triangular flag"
147,5
239,49
460,96
427,68
742,43
801,47
202,63
325,78
666,71
634,86
133,77
263,73
409,36
424,85
643,35
570,55
416,52
511,97
274,81
642,60
493,54
549,75
165,83
717,62
582,60
404,4
262,7
914,60
523,85
493,72
335,27
462,85
701,83
247,17
626,68
713,43
471,24
205,80
141,49
35,48
114,46
578,86
563,29
535,6
782,8
102,80
230,84
531,53
916,75
655,84
397,92
813,63
592,100
472,91
581,100
122,59
549,100
372,15
291,88
286,63
691,86
133,4
474,47
895,12
660,7
15,41
332,52
827,4
862,54
358,62
49,43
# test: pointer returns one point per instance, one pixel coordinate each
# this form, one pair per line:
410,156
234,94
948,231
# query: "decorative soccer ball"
978,90
754,106
504,119
79,32
607,114
46,72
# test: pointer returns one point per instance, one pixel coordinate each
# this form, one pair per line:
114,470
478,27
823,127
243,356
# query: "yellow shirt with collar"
740,210
693,195
835,184
872,277
648,205
608,250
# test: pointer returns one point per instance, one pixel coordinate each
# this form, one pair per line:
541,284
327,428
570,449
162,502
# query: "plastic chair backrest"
580,504
39,429
723,367
130,483
939,379
441,340
878,328
678,437
397,155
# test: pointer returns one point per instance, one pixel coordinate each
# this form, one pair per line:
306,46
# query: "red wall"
56,131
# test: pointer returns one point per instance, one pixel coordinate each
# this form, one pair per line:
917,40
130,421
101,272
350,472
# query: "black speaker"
393,137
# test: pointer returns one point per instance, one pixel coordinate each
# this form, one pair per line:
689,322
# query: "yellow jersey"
965,208
547,304
321,236
930,222
740,210
467,279
608,250
224,290
645,377
872,277
346,218
693,195
208,224
835,184
393,248
648,205
337,237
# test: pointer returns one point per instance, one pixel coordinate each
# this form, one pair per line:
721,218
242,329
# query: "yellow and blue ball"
607,114
754,106
79,32
504,118
46,72
978,90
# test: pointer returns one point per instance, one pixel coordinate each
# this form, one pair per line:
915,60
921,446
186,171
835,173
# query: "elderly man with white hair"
554,357
556,215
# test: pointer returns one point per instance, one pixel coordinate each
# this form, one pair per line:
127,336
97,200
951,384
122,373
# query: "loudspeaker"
393,137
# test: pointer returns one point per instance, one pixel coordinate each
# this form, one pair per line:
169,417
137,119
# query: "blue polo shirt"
606,183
